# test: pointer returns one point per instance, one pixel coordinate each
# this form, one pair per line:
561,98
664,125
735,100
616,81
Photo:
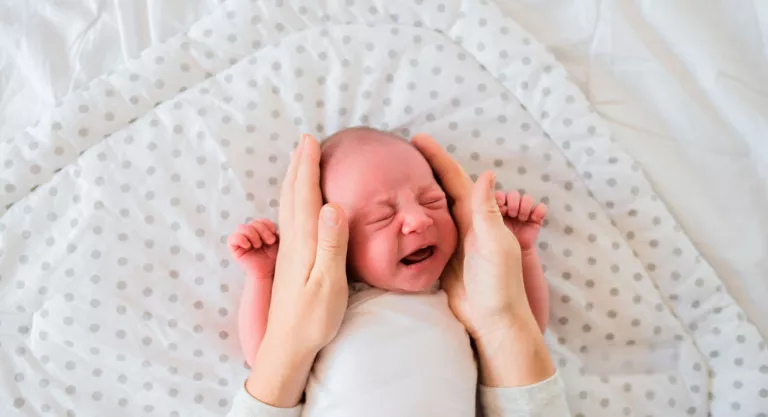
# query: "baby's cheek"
372,259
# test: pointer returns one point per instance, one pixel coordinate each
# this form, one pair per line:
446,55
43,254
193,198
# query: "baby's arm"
252,315
536,288
524,218
254,247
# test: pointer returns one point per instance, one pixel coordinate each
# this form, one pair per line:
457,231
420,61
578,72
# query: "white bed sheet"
681,84
581,357
160,157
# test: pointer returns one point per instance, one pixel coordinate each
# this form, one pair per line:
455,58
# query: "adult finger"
485,210
307,198
285,213
332,240
452,177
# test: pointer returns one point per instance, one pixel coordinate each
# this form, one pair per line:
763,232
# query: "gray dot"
70,389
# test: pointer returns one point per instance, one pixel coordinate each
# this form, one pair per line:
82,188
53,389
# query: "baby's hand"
254,247
522,216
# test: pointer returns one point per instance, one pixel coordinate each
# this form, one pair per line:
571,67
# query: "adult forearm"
514,354
279,374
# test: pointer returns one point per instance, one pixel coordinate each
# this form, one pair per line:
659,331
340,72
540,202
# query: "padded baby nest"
118,294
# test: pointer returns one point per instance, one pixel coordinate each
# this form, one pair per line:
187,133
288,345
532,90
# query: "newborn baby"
399,339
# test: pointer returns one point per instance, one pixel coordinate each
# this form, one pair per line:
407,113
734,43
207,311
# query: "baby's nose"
416,221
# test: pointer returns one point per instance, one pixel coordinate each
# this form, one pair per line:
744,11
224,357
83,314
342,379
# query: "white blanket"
116,288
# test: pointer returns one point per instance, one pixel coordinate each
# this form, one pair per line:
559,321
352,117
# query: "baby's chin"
406,280
420,283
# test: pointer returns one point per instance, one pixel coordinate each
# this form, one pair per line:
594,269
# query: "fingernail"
330,217
304,139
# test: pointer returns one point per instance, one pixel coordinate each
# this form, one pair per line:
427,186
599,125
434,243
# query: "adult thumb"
332,240
485,210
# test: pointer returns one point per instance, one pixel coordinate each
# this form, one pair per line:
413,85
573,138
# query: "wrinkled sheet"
687,102
117,294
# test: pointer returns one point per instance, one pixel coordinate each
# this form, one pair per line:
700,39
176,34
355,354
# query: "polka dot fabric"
117,291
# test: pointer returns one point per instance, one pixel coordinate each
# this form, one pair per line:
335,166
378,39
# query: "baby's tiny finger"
238,252
539,212
513,203
253,236
501,198
270,225
501,201
266,235
526,205
237,240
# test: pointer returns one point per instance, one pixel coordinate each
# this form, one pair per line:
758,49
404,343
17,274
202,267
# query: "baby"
401,236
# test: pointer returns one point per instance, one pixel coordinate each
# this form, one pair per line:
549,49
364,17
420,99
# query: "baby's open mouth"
418,255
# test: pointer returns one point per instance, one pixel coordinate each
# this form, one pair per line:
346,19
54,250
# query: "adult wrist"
513,354
279,373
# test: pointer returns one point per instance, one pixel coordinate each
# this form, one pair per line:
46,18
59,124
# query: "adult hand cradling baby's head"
484,279
309,294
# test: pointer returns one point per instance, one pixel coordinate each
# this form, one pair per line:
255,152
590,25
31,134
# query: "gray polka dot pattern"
117,279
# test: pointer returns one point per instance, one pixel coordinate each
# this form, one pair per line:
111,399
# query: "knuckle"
492,208
330,244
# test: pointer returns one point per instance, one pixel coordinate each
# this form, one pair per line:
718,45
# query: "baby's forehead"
360,137
351,148
379,156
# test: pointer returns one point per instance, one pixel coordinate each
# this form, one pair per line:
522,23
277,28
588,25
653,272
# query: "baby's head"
401,233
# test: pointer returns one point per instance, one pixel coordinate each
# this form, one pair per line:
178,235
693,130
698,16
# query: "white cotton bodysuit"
395,355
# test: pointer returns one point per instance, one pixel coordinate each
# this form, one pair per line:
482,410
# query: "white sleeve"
543,399
244,405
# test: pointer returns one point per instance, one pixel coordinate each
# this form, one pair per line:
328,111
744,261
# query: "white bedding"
117,294
685,101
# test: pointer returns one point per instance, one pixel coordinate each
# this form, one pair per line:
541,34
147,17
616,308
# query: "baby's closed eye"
380,217
433,200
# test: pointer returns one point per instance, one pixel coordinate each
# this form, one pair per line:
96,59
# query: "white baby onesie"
395,355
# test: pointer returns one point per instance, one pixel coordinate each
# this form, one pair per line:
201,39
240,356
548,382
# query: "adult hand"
484,280
309,294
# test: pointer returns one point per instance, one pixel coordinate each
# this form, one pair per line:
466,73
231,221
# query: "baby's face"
401,231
